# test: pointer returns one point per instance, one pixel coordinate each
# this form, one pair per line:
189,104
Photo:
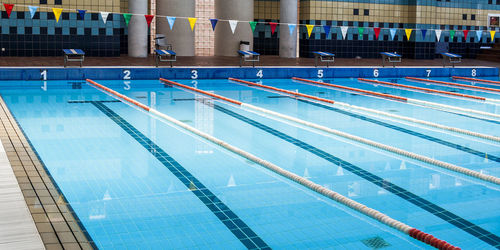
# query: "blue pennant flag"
424,32
82,13
393,33
32,10
327,29
171,21
291,27
479,34
214,23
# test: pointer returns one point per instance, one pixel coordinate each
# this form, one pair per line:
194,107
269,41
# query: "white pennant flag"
104,16
438,34
233,24
344,31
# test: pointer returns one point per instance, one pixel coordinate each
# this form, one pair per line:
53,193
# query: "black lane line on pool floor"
406,131
424,204
241,230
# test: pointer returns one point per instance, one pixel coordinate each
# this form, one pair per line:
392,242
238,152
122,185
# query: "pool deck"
222,61
51,224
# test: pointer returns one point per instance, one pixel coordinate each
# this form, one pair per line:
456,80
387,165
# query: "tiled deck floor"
221,61
56,224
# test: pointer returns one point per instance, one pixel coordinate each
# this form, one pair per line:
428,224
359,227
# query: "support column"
181,37
227,43
138,29
288,14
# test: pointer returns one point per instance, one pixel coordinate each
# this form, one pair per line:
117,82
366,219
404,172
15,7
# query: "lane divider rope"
399,98
438,105
423,89
454,84
475,80
370,212
377,112
388,148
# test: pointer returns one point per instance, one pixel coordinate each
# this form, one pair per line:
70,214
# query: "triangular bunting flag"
327,29
233,24
8,8
291,27
393,33
424,33
492,33
171,21
252,25
57,13
104,16
361,30
479,35
452,35
344,29
310,28
466,33
192,22
149,19
127,17
377,32
273,27
214,23
32,10
438,34
408,33
82,14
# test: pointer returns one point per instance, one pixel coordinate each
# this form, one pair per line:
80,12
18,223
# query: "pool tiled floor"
56,225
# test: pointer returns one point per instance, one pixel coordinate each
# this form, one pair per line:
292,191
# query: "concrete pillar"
137,29
181,37
288,14
227,43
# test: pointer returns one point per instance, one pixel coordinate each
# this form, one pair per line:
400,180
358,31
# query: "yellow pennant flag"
192,22
57,13
310,28
408,33
492,36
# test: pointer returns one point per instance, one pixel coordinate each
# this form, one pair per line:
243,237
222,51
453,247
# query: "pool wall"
224,73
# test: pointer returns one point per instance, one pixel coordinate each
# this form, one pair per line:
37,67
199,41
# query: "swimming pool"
137,181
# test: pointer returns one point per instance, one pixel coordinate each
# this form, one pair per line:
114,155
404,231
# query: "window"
355,12
366,12
58,2
490,1
45,1
464,16
472,17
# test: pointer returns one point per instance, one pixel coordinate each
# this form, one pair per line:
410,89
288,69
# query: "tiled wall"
416,14
43,36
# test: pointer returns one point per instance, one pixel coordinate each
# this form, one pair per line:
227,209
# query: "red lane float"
140,105
423,89
453,84
399,98
201,91
282,90
475,80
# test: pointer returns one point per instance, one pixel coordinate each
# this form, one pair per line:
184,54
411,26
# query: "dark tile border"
58,225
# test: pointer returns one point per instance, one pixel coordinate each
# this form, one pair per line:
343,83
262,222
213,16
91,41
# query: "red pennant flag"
8,8
377,32
466,32
149,19
273,27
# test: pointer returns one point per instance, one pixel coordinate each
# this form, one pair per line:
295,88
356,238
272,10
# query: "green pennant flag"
127,17
452,34
361,31
252,25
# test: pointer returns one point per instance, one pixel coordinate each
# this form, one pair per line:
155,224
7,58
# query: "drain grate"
375,243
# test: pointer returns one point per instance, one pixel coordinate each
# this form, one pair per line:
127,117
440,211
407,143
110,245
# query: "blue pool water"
136,181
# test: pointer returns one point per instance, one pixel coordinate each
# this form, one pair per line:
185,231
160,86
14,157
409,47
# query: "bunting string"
233,23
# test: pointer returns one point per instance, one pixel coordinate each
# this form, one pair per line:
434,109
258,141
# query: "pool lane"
187,98
234,224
